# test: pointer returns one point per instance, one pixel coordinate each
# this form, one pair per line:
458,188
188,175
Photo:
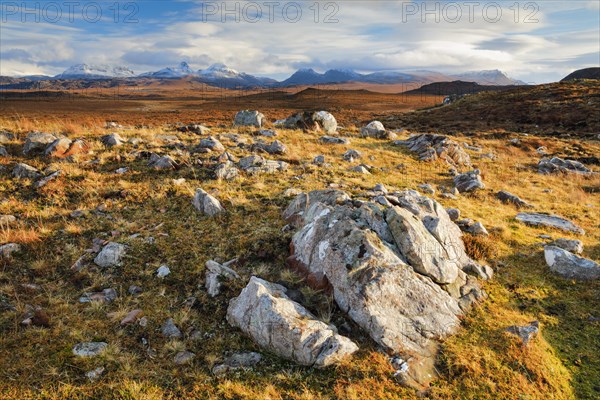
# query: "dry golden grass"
481,361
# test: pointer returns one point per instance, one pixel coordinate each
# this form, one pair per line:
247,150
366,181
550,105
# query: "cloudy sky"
533,41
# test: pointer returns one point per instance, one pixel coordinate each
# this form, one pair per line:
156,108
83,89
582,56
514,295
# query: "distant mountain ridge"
585,73
220,75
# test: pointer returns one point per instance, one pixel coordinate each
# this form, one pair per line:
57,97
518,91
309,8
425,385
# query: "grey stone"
453,213
163,271
8,249
111,255
569,265
265,313
24,171
112,140
164,162
36,142
170,330
184,357
525,333
558,165
207,204
312,121
89,349
240,360
507,197
226,171
469,181
248,118
431,147
352,155
212,144
334,140
551,221
3,152
570,245
215,272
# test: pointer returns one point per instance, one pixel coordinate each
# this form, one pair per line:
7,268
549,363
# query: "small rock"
170,330
507,197
352,155
207,204
361,169
95,374
571,245
236,361
215,272
44,181
7,250
334,140
453,213
184,357
7,219
132,317
212,144
89,349
164,162
22,171
111,255
248,118
112,140
319,160
469,181
162,271
134,290
380,188
525,333
427,188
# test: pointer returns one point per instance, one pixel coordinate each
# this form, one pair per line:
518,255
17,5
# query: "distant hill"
455,87
489,77
555,109
586,73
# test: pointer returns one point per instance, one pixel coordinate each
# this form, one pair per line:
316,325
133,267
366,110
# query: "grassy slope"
480,362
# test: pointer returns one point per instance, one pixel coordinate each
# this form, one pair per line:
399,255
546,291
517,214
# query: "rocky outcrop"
63,148
400,272
430,147
550,221
265,313
569,265
558,165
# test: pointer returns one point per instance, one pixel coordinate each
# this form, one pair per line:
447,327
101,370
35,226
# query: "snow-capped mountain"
86,71
488,77
181,70
223,76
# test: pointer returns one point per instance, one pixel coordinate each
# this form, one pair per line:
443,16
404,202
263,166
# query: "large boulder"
248,118
265,313
569,265
431,147
316,121
400,272
375,129
36,142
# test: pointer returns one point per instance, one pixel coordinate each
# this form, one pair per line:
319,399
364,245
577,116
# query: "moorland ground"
481,361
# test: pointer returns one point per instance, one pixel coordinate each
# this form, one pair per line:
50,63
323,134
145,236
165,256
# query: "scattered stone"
427,188
376,130
36,142
198,129
241,360
134,290
256,165
212,144
476,229
121,171
7,219
226,171
571,245
312,121
3,152
215,273
63,148
352,155
24,171
248,118
291,192
207,204
164,162
111,255
132,317
469,181
431,147
95,374
558,165
334,140
89,349
265,313
361,169
44,181
507,197
170,330
163,271
6,137
319,160
453,213
267,133
525,333
551,221
105,296
8,249
112,140
112,125
276,147
569,265
184,357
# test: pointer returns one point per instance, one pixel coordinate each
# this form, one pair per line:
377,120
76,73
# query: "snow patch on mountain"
88,71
